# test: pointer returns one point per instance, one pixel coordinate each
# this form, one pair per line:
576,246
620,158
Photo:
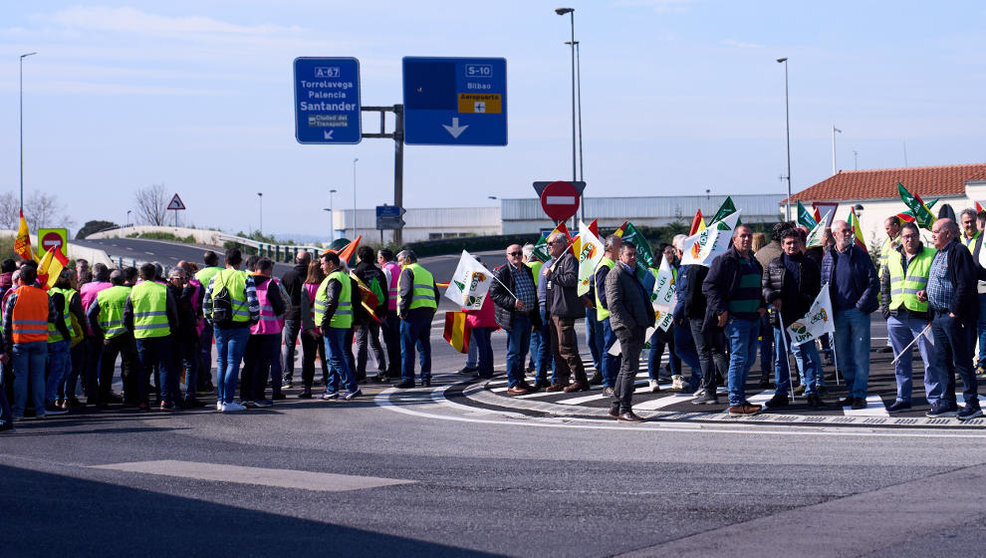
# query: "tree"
9,211
152,204
42,210
93,227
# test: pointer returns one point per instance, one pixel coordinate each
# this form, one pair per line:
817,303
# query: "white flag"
664,318
664,287
704,246
817,322
470,283
816,234
590,254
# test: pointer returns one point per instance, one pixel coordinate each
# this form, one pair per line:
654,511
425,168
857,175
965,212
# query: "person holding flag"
790,284
516,312
853,285
610,363
564,306
907,317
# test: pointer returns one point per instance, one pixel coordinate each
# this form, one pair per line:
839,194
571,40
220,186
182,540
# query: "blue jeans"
29,368
188,354
157,351
743,336
852,349
59,362
807,359
518,338
684,349
611,364
416,331
230,344
484,350
902,330
472,356
594,338
981,330
340,369
768,342
541,348
660,340
204,372
953,353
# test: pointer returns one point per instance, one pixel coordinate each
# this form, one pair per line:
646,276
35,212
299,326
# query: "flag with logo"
664,286
590,254
817,235
857,230
725,210
457,331
817,322
630,234
470,283
698,223
22,243
805,218
705,246
541,252
922,213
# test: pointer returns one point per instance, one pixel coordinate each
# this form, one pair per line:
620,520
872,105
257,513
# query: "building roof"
927,182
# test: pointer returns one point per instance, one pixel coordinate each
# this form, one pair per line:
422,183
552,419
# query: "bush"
92,227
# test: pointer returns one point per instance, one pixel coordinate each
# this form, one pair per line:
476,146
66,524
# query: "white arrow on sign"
455,129
327,134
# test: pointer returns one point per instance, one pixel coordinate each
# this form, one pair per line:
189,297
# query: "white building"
959,186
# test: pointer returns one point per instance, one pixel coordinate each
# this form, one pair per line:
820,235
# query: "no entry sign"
560,200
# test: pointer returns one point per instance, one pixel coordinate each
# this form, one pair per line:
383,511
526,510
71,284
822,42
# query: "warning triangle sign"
176,203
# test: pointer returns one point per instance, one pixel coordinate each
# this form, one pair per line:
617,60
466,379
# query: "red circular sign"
51,239
560,200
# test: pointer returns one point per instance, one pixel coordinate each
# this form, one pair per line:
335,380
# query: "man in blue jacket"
853,286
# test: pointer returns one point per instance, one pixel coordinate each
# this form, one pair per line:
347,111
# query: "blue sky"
677,96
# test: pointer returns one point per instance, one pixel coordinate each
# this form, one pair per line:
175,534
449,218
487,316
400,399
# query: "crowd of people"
161,328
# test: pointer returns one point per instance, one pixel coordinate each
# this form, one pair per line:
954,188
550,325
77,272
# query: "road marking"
874,408
280,478
663,402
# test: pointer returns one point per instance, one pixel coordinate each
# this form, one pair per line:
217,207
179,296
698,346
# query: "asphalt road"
426,473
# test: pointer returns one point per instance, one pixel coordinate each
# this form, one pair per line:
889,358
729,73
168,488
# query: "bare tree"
152,204
9,211
42,210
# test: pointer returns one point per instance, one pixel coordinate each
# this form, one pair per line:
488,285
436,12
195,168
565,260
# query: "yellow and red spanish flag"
698,223
50,267
857,230
22,243
457,331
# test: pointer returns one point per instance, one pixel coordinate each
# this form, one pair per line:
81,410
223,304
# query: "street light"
332,232
571,13
260,196
21,64
354,197
834,130
129,211
787,127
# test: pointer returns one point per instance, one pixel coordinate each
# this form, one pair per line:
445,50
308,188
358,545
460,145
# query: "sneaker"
542,384
219,406
54,409
777,401
233,407
329,395
744,410
800,390
654,386
941,411
707,398
263,403
250,404
608,391
287,385
350,395
678,383
899,406
406,384
970,411
169,407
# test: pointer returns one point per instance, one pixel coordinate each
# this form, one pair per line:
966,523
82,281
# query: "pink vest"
87,294
395,274
197,305
269,322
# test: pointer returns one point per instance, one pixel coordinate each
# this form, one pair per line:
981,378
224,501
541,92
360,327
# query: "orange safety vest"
29,319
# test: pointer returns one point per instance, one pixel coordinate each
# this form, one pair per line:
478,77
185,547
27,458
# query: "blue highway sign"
389,217
455,101
326,100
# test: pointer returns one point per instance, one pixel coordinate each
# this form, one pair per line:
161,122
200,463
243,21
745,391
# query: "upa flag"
541,253
725,210
698,223
857,230
22,244
590,254
922,213
817,322
817,234
664,286
630,234
703,247
805,218
663,319
470,283
457,331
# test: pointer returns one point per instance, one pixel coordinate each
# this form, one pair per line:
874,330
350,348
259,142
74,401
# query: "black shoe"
629,416
305,394
898,406
859,403
777,401
596,379
278,396
468,371
847,401
5,426
381,379
405,384
614,411
764,382
426,383
707,398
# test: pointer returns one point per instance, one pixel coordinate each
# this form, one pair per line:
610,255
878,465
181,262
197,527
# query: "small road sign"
560,200
455,101
389,217
327,100
176,203
48,238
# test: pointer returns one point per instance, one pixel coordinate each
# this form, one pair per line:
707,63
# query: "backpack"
222,307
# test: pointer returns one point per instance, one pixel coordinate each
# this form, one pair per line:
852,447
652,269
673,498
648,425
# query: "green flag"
644,256
725,210
541,249
805,218
922,213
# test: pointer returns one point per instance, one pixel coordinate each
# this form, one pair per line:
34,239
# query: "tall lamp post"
834,130
129,211
21,68
260,196
571,13
354,198
787,127
332,232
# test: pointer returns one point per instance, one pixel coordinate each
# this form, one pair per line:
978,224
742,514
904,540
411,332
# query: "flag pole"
787,355
911,344
835,357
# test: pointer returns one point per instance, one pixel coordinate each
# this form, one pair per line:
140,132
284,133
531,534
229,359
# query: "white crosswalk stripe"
875,407
662,402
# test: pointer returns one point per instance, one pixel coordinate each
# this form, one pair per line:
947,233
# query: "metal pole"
399,169
574,175
787,127
332,232
578,87
834,168
261,196
354,198
21,75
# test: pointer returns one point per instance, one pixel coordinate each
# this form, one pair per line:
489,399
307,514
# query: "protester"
105,318
293,282
610,363
28,314
368,335
564,306
631,313
517,312
151,314
391,326
265,338
312,344
334,316
204,277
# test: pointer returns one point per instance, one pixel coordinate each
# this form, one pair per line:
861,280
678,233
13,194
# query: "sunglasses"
515,253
